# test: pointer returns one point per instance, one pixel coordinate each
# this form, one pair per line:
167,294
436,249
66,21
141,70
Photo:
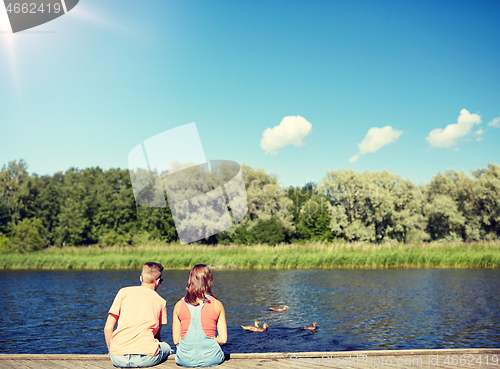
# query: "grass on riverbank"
294,256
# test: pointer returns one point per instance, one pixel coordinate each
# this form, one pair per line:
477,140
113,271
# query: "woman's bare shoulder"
177,306
218,305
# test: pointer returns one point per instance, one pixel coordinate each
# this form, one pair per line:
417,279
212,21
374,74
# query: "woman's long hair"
199,284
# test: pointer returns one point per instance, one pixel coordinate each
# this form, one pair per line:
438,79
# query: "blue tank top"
196,349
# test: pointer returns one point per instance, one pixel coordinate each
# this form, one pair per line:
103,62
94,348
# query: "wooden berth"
436,359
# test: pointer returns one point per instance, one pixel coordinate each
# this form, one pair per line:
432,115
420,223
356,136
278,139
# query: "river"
64,311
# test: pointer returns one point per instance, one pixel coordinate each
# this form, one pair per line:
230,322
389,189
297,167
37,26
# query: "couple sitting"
140,312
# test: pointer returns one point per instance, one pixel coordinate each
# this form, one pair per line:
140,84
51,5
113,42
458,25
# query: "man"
140,313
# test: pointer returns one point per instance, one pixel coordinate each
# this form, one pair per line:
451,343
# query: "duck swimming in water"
249,327
280,310
311,327
257,329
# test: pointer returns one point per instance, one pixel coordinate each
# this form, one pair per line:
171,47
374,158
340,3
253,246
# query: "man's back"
141,313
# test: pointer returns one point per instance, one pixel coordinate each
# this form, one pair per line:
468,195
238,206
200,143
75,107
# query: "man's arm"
109,327
163,321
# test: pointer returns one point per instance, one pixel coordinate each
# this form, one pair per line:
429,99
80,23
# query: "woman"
196,317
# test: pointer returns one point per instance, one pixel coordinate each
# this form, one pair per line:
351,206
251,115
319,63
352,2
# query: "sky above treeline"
294,87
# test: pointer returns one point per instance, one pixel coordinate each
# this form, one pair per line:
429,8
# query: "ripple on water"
65,311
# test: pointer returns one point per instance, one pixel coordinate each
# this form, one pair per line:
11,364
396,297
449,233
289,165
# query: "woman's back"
196,319
208,317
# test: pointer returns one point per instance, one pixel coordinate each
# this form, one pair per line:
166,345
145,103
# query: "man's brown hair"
199,284
151,271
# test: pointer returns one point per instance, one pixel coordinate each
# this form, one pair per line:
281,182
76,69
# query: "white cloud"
353,159
290,131
375,139
449,136
495,123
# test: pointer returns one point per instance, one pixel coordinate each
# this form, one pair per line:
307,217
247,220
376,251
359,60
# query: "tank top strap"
195,311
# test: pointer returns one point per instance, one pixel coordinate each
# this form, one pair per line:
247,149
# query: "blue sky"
86,88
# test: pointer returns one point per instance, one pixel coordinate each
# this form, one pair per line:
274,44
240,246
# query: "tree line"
95,206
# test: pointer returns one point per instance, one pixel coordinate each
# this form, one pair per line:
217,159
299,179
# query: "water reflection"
65,311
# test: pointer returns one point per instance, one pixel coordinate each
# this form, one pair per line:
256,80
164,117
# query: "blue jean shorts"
142,361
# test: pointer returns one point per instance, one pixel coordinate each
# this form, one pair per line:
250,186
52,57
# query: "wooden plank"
32,364
276,355
284,363
11,364
231,364
59,364
72,364
50,364
53,357
281,360
103,364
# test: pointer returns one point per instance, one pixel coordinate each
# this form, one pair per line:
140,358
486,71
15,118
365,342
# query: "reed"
289,256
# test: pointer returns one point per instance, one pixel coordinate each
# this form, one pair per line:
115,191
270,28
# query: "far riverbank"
293,256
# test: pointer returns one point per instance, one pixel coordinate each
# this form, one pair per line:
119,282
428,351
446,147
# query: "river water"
64,311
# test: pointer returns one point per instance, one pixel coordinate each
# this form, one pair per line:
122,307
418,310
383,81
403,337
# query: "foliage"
313,220
26,236
374,206
4,243
97,207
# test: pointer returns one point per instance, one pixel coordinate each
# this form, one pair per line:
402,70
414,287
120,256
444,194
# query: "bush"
112,238
4,243
26,236
267,231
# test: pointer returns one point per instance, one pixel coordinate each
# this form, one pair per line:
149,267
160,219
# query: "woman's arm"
221,323
176,324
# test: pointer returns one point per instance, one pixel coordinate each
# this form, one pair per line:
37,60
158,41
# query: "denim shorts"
142,361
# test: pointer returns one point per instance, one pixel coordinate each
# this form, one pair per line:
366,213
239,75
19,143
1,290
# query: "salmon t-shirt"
141,313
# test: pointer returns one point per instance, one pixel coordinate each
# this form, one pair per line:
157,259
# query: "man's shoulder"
142,293
130,289
154,295
161,299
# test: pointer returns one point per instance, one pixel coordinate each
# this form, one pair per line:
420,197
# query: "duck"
278,309
249,327
311,327
257,329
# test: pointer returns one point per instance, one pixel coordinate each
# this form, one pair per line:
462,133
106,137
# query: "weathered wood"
11,364
277,360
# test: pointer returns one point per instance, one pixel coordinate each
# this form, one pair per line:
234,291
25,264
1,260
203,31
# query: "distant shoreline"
339,255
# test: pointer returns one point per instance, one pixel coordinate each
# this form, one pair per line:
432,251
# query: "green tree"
14,191
487,201
267,231
313,222
4,217
444,219
4,243
266,200
374,206
26,236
